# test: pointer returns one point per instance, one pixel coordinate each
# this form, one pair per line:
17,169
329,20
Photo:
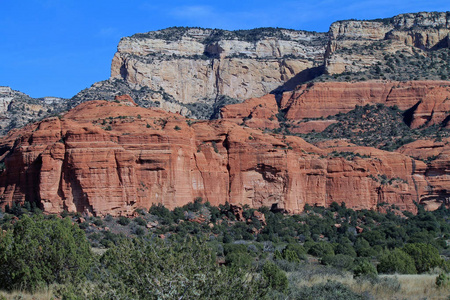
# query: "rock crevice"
116,170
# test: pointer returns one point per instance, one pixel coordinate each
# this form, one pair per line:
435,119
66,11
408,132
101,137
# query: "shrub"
140,221
346,249
340,261
230,248
297,249
214,145
321,249
389,284
124,221
365,268
39,251
227,238
84,225
425,256
290,256
143,269
443,280
238,260
164,214
396,261
139,231
363,248
98,222
275,277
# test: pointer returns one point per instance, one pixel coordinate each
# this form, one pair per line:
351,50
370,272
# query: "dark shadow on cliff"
408,115
302,77
442,44
445,122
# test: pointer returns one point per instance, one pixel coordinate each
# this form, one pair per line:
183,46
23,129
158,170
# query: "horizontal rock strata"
112,158
192,64
428,102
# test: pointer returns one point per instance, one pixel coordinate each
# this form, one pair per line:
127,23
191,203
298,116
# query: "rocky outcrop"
255,113
189,65
427,150
6,96
144,96
192,64
18,109
437,155
354,46
426,102
113,157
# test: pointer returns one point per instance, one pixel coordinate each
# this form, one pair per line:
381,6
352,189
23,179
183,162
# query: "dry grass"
387,286
421,286
16,295
396,287
98,251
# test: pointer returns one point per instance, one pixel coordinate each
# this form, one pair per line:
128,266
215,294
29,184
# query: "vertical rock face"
356,45
108,157
113,158
191,65
198,64
428,102
6,96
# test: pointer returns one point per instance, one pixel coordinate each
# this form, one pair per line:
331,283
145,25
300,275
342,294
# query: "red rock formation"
254,112
430,99
428,102
260,217
426,149
105,157
437,172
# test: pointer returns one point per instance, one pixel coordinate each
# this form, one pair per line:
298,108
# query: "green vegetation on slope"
398,66
205,252
376,126
215,35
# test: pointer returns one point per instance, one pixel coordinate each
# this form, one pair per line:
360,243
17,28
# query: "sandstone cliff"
108,157
192,64
197,71
198,65
427,102
355,46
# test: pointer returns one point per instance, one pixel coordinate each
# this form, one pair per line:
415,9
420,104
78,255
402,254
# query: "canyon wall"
197,71
112,158
428,102
193,64
354,46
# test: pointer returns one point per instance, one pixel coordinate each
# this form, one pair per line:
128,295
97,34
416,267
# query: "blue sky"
59,47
